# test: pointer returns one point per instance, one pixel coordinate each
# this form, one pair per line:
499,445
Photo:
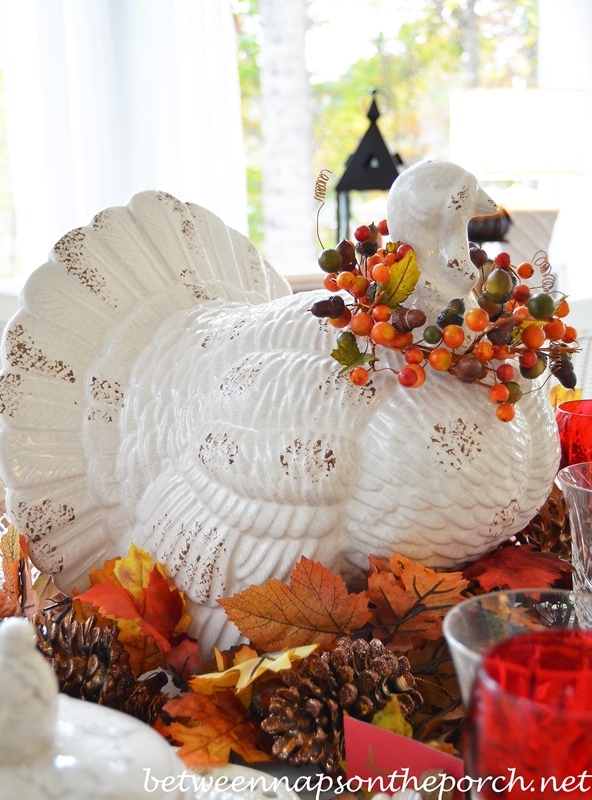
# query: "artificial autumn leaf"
16,567
349,354
184,658
243,673
404,277
391,719
559,394
8,605
145,655
223,725
314,608
410,599
147,595
519,567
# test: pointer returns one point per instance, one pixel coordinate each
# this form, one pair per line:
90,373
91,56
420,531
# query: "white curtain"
106,98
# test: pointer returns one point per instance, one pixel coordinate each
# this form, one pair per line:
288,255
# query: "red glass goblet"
574,420
529,729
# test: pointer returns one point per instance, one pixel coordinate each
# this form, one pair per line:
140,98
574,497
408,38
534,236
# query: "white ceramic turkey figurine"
161,386
54,747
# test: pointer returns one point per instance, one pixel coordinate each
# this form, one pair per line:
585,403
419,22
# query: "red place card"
374,753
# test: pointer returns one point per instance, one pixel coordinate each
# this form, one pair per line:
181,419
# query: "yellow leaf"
404,277
134,571
144,654
391,719
11,555
244,672
559,394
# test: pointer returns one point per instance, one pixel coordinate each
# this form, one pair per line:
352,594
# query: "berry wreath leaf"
404,277
349,354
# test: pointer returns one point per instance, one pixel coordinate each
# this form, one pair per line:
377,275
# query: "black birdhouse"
371,167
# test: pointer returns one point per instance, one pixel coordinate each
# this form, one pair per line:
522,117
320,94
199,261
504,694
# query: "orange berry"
413,355
570,334
383,333
483,351
376,259
402,340
477,319
390,259
361,324
360,286
345,280
440,359
343,320
381,313
453,336
555,329
381,252
525,270
533,336
421,376
563,309
383,227
510,305
505,412
521,313
359,376
499,393
381,273
330,283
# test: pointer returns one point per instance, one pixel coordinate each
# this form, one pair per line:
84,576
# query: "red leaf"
184,658
162,607
518,567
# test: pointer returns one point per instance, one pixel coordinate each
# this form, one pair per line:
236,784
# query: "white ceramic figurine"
161,386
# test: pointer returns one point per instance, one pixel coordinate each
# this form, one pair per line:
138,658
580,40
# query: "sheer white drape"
110,97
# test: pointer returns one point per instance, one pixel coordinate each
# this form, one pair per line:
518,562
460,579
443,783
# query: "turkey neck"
446,271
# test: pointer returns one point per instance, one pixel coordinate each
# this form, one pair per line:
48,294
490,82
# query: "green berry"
541,306
330,260
432,334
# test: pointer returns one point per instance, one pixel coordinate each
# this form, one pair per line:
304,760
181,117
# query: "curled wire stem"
541,261
320,194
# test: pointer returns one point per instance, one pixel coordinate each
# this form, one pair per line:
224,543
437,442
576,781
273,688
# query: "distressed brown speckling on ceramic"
23,354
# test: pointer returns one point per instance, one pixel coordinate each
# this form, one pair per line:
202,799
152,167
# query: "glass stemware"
574,420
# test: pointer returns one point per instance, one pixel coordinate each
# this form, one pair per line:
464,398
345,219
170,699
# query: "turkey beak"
484,206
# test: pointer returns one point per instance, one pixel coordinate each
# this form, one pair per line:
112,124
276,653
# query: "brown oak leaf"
213,727
410,599
519,567
315,607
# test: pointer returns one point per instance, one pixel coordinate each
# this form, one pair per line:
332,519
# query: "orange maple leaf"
223,725
517,567
314,608
411,599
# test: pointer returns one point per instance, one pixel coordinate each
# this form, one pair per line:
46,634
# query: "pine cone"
549,529
92,664
305,715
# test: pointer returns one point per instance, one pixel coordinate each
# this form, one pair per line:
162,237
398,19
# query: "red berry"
502,260
383,227
528,359
413,355
505,373
362,233
359,376
407,377
521,293
402,251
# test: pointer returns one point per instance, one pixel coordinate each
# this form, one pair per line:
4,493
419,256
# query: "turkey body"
161,387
